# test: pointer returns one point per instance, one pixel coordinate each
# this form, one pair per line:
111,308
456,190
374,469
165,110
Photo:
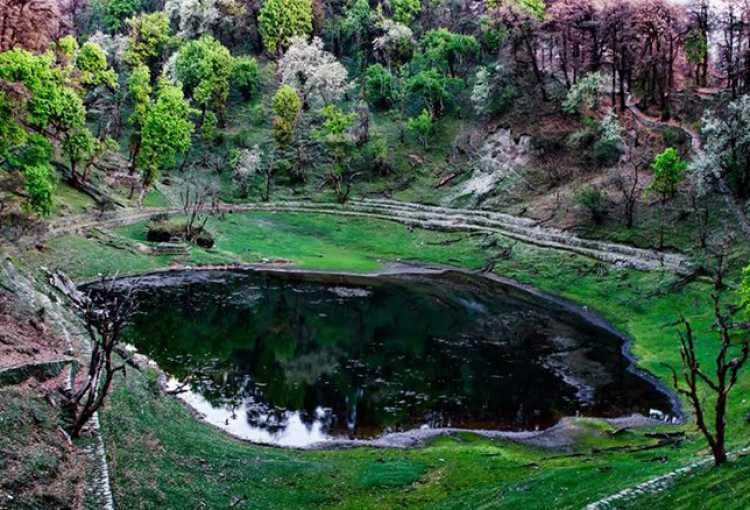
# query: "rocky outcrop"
501,160
29,24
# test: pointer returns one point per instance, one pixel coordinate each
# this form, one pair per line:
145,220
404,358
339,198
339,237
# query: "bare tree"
198,199
626,180
694,378
106,313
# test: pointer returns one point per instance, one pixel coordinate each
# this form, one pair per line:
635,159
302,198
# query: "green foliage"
91,62
669,171
447,50
280,20
594,201
114,12
404,11
533,8
209,127
78,145
246,76
743,291
586,91
139,88
40,186
204,67
335,135
286,105
493,91
432,89
380,86
166,131
493,33
149,36
37,101
696,46
421,126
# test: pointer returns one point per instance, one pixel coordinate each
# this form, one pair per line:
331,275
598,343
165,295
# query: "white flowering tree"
193,18
313,72
396,44
584,91
246,164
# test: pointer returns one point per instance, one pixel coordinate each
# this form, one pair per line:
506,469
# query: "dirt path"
422,216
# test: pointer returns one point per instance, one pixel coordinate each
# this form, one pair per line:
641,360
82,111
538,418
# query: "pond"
294,359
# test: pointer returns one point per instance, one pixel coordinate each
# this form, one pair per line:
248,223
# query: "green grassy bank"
161,457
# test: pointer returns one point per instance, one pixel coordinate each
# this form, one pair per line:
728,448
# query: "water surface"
294,359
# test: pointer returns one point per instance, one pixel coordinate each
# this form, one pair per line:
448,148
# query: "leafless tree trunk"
694,378
106,317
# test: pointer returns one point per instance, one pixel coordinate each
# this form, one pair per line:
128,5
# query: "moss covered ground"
161,457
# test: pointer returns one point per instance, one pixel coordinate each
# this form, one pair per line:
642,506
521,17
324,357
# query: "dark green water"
293,359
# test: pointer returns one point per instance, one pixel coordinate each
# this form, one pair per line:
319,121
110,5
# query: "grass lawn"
161,457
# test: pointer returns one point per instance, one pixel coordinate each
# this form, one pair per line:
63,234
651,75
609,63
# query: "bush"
246,76
606,152
170,231
379,86
595,202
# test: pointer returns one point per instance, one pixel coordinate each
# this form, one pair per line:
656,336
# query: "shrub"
246,76
379,86
595,202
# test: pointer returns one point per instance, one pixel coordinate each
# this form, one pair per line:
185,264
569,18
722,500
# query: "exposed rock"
500,160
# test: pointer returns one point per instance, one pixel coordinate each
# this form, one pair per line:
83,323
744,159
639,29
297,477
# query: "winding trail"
423,216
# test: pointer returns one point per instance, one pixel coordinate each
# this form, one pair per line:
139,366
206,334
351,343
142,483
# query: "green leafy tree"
421,126
595,202
204,68
380,86
114,12
39,106
286,105
78,146
433,89
404,11
447,49
669,171
139,90
336,136
280,20
148,39
246,76
40,186
91,62
167,131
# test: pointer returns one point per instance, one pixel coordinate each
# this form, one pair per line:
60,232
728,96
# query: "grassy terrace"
161,457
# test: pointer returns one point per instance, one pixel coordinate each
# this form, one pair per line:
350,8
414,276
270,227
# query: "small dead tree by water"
730,359
105,314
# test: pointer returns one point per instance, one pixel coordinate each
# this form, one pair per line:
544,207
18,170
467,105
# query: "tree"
404,11
246,76
595,202
78,146
314,73
39,106
726,151
105,314
379,86
148,39
286,106
432,89
246,163
281,20
695,381
335,135
139,89
204,67
626,179
448,50
166,131
91,62
585,91
396,45
193,18
114,12
493,90
421,126
669,171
